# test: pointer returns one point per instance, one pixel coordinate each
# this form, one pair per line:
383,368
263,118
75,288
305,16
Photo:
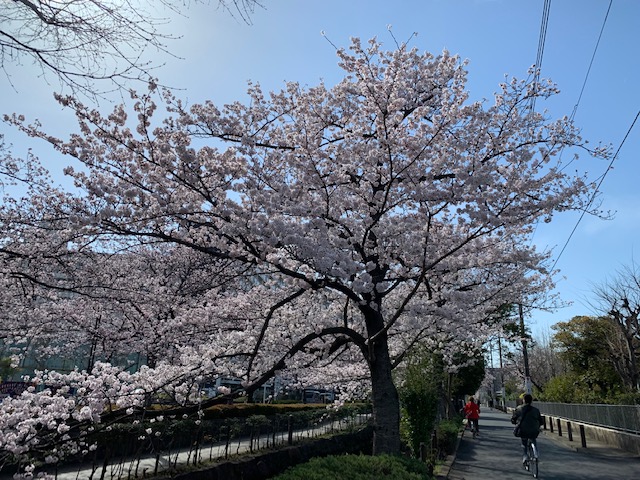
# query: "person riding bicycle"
530,421
472,412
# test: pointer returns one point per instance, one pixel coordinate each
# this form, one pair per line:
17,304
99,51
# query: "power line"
541,42
584,211
586,77
604,22
573,114
538,65
536,80
543,32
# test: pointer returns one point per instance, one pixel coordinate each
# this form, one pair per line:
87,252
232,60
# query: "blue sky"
217,54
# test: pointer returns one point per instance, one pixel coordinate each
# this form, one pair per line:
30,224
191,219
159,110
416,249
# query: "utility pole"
523,334
502,392
492,402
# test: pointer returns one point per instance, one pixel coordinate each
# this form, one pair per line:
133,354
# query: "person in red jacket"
472,412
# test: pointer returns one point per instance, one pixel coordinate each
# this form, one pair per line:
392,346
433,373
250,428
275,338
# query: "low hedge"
447,432
358,467
240,410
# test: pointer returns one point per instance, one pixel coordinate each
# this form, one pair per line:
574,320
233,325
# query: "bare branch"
81,42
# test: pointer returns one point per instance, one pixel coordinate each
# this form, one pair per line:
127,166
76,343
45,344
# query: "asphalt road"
496,454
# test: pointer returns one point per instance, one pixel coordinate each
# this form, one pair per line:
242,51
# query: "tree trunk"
386,403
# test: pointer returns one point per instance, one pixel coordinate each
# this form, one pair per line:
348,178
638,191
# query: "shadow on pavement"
496,454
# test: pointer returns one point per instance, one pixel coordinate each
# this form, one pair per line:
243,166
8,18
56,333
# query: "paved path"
496,455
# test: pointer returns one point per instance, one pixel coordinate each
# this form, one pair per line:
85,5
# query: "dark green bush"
447,436
358,467
419,409
237,410
632,398
419,399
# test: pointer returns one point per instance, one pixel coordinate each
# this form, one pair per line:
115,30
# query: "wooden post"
423,452
583,437
569,433
559,427
434,444
290,431
551,424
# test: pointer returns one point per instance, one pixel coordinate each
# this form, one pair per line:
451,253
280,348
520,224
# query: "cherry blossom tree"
385,211
105,306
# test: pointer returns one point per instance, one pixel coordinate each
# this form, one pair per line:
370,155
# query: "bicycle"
531,462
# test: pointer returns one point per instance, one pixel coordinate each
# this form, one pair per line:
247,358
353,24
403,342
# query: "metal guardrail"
619,417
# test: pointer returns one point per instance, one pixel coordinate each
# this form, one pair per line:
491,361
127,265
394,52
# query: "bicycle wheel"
533,459
534,467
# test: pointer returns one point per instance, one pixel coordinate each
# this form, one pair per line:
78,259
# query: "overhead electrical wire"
541,42
573,114
538,65
597,188
540,53
584,84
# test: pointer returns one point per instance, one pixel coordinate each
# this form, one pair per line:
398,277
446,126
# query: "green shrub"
447,436
631,398
237,410
358,467
418,416
419,399
575,388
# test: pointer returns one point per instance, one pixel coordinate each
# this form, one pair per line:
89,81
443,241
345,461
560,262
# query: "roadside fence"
144,449
625,418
